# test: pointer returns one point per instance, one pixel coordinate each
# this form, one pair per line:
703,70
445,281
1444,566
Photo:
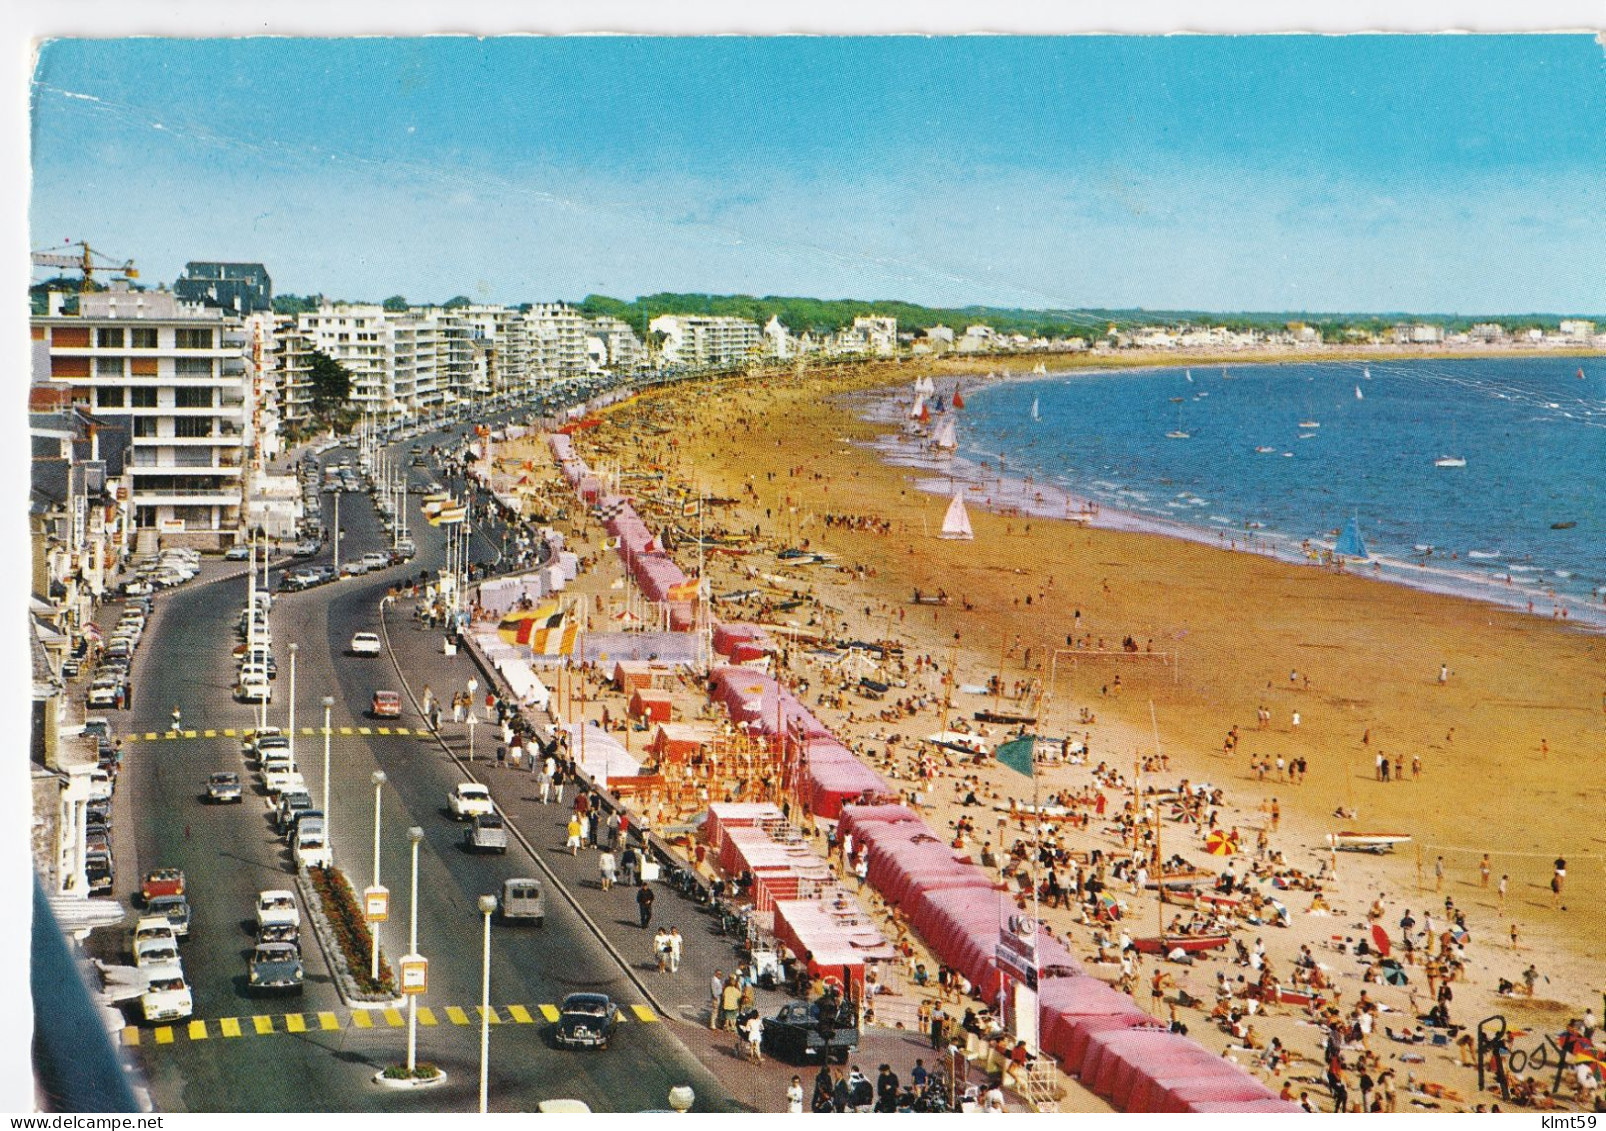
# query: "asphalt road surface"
231,852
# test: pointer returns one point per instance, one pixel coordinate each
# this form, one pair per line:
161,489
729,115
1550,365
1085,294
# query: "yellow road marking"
365,730
643,1013
550,1012
228,732
230,1026
198,1031
327,1020
403,730
520,1014
169,736
210,733
361,1019
164,1035
394,1019
426,1015
345,730
150,736
189,734
130,1036
495,1017
456,1016
383,730
262,1024
307,730
295,1023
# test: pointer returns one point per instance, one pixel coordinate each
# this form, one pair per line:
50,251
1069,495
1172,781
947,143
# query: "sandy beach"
1496,718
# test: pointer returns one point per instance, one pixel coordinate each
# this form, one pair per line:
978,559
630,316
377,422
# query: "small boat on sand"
1366,842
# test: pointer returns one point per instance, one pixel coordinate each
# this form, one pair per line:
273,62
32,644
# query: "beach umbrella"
1219,843
1395,975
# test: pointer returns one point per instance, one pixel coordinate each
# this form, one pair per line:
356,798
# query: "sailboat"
1179,433
945,438
918,407
1358,394
1040,370
1188,373
1366,372
1451,461
1349,542
956,523
1035,415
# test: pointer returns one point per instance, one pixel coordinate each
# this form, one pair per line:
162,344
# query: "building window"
144,426
191,427
143,366
142,398
190,339
61,366
109,367
70,337
109,337
142,337
192,398
193,367
110,398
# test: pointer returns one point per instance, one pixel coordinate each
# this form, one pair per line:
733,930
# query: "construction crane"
86,262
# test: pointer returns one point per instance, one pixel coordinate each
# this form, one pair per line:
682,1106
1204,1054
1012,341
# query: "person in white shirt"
992,1100
794,1096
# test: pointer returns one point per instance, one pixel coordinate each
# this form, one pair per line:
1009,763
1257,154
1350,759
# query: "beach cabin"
679,743
650,705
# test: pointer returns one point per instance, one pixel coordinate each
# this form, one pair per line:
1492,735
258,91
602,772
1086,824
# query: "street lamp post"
487,907
328,824
337,533
378,779
294,648
414,834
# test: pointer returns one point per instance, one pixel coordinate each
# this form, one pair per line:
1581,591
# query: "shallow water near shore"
1276,459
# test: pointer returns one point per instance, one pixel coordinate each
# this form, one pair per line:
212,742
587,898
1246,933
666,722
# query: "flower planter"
410,1083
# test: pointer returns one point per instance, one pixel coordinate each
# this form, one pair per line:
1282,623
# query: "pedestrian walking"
178,718
630,867
730,1000
548,765
607,867
644,898
754,1032
660,949
794,1096
573,843
558,781
716,992
675,944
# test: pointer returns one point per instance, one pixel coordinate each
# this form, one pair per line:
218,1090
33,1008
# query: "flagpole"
1159,862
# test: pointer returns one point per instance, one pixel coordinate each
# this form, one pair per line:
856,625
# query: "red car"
161,881
386,705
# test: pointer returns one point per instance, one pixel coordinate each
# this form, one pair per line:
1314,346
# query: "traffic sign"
376,903
414,974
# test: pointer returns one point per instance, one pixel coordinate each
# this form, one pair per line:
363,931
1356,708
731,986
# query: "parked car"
161,881
586,1020
487,833
223,787
309,843
386,705
522,898
279,933
237,553
99,871
365,644
176,909
292,803
168,996
254,689
375,560
468,800
283,778
276,968
801,1031
277,906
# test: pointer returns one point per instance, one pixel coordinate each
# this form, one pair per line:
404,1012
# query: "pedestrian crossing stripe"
402,730
365,730
209,733
150,736
189,734
330,1021
307,730
230,732
383,730
345,730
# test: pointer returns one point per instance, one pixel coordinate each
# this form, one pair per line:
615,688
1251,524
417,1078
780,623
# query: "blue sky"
1444,174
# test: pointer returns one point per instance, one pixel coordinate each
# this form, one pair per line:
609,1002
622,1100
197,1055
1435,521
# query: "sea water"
1279,456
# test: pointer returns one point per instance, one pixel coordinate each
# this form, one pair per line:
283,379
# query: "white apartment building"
176,374
703,340
879,333
290,358
500,348
612,344
556,334
1577,329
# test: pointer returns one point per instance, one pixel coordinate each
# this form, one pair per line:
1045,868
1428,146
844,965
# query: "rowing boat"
1188,944
1366,842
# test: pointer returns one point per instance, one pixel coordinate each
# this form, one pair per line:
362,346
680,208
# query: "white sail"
1358,394
956,523
1035,415
918,407
946,437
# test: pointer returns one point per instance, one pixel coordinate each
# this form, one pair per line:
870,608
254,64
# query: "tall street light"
328,838
414,834
294,648
378,779
487,907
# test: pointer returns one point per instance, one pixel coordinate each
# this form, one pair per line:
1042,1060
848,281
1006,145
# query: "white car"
281,777
254,690
365,644
309,847
469,800
168,998
276,907
375,560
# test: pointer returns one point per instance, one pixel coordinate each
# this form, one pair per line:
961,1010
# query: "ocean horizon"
1276,458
